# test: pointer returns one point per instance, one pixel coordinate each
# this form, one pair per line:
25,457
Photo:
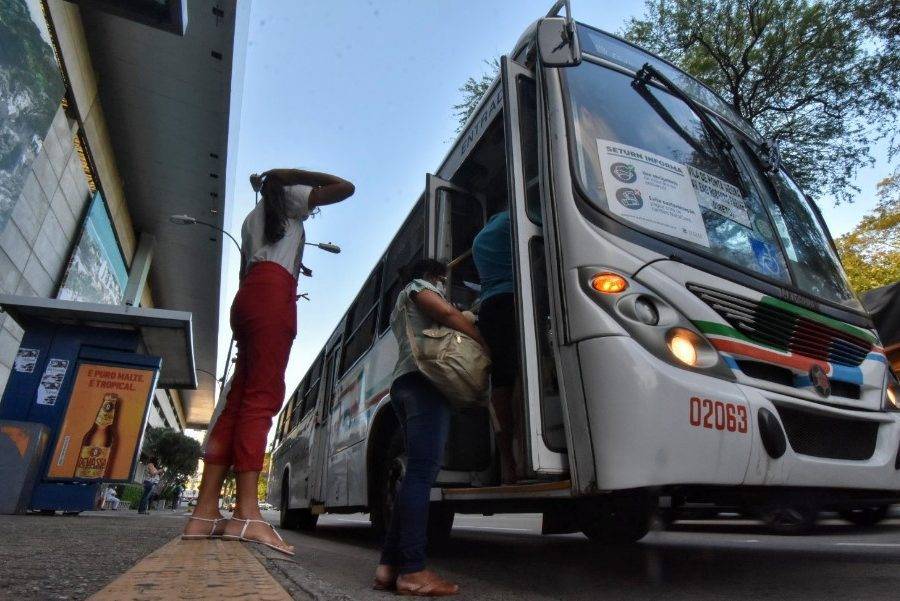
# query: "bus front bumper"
655,425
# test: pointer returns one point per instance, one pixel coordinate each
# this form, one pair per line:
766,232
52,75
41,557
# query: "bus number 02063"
718,415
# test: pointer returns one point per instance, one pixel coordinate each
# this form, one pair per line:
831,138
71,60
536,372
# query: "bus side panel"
299,458
654,424
276,471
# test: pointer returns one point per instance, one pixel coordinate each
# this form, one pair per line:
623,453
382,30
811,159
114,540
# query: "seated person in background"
492,253
110,500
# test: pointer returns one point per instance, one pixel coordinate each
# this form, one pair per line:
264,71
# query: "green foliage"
131,493
472,92
871,252
819,76
177,453
262,488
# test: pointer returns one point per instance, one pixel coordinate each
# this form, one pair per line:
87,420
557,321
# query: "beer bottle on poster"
98,445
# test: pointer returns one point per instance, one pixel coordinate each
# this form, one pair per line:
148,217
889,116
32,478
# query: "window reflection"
608,107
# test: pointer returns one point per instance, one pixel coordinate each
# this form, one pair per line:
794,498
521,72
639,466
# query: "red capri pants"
264,322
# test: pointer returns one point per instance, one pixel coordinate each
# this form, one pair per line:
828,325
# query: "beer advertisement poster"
103,423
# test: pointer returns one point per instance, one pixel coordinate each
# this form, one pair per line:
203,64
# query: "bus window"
361,326
311,397
296,401
466,215
551,408
528,132
407,245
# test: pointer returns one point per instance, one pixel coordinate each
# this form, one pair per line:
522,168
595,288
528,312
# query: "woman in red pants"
264,321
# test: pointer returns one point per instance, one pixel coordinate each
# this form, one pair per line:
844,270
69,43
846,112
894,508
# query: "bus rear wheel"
295,519
616,520
388,474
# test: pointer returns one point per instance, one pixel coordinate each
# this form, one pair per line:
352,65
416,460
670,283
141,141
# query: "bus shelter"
75,407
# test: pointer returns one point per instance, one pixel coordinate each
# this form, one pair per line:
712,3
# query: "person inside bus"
264,321
492,254
424,414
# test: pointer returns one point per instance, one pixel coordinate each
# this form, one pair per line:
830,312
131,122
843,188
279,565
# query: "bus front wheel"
388,473
616,520
294,519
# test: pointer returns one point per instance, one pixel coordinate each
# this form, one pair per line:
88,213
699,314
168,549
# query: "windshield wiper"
724,146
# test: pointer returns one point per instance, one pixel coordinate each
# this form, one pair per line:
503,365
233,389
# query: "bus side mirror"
557,42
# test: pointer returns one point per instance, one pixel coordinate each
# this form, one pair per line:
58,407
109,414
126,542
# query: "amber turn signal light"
609,283
892,396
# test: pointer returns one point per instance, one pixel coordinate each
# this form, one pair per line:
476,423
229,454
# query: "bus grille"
783,330
829,437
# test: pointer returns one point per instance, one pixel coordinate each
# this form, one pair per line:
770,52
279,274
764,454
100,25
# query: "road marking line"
493,528
867,544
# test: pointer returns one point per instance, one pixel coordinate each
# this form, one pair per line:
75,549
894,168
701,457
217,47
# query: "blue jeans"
145,500
425,417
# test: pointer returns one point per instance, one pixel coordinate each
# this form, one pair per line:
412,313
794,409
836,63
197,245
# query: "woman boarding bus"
686,329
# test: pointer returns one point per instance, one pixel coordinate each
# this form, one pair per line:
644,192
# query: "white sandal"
212,529
241,536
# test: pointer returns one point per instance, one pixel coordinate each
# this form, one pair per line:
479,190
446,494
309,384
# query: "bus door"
319,454
544,432
455,216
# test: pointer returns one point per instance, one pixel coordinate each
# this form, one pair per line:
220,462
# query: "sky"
364,90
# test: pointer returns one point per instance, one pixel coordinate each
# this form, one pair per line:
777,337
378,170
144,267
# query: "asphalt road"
505,557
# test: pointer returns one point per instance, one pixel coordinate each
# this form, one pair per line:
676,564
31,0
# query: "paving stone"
196,569
60,557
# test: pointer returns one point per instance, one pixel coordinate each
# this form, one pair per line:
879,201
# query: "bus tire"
294,519
388,473
865,517
616,520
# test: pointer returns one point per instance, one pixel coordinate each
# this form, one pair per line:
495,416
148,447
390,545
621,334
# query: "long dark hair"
422,269
275,207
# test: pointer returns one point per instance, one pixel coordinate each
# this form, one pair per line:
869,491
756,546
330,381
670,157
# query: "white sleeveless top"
287,252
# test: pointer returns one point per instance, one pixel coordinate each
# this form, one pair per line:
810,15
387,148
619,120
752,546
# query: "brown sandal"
433,586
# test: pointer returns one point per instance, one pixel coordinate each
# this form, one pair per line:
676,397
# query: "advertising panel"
96,272
101,432
31,89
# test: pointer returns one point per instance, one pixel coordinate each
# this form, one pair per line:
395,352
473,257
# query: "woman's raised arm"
327,189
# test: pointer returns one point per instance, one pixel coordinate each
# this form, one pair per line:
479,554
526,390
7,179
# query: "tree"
177,453
871,252
818,76
473,90
263,485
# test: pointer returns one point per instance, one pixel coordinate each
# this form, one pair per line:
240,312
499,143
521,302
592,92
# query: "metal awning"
163,333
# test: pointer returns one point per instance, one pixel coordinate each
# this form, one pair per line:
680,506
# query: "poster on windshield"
719,196
651,191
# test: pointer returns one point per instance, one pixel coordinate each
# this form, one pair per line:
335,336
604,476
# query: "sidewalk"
118,555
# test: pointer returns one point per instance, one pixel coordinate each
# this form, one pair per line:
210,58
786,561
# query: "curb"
298,581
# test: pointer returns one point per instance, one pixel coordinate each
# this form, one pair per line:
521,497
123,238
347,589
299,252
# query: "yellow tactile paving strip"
195,569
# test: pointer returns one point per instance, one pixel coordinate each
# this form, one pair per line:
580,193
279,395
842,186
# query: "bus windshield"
645,156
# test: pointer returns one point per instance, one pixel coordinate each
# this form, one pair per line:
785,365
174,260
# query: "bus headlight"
682,348
690,348
890,394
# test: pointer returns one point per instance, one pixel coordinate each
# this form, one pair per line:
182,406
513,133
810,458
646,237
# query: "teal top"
418,322
492,252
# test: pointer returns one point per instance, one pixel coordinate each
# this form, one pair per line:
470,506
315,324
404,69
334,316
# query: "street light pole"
188,220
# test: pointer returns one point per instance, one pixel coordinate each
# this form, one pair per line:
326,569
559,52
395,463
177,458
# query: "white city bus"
687,331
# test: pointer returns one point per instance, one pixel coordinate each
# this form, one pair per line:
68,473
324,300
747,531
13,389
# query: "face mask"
441,287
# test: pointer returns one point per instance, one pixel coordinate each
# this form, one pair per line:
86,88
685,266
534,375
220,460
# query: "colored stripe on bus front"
819,318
